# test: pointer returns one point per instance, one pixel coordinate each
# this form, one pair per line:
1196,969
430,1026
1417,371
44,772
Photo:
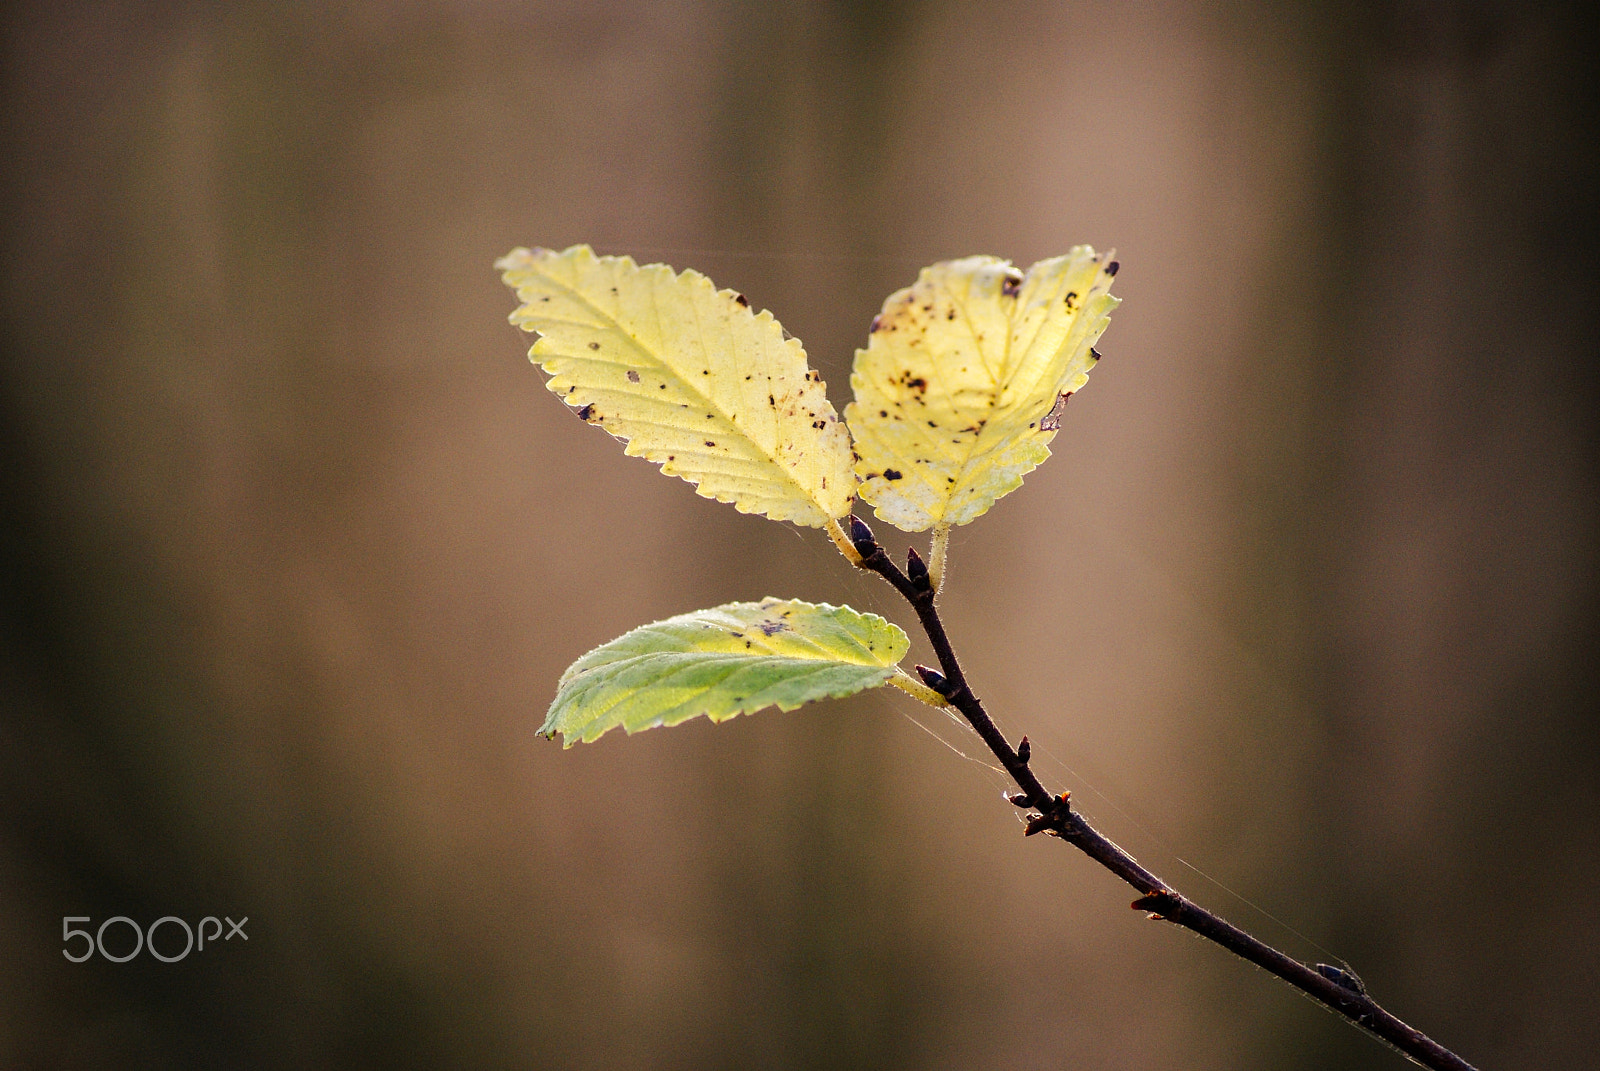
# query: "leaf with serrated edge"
689,377
732,659
959,375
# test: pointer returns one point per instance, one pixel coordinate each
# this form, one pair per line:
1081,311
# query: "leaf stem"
936,555
841,539
1335,989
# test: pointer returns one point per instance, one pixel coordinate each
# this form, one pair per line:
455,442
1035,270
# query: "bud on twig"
1345,979
933,679
861,536
917,570
1019,800
1156,903
1024,751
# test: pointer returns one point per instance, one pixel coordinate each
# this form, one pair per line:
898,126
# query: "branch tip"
934,679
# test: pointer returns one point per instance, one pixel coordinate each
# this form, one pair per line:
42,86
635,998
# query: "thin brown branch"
1338,990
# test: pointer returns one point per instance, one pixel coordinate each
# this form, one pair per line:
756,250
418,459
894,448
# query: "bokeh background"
1303,610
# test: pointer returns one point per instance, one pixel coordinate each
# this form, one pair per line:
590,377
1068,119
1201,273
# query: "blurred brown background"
296,543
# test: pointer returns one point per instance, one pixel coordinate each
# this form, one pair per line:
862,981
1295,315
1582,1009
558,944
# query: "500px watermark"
146,938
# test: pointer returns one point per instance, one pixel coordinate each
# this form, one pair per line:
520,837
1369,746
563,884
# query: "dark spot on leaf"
1094,353
1113,268
633,377
586,412
594,345
772,627
877,322
1072,295
1011,285
883,412
951,315
931,424
705,372
819,423
740,298
772,401
709,442
891,474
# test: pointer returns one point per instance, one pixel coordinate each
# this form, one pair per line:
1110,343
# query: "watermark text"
127,940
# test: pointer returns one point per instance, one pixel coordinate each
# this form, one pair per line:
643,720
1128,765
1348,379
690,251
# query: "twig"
1337,989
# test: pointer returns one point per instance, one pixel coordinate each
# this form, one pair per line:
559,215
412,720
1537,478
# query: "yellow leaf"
689,377
956,394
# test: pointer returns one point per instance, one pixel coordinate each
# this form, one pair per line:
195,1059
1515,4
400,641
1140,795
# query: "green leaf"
689,377
733,659
956,394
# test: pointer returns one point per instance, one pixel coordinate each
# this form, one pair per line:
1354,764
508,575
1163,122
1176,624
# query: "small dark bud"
1155,903
861,536
916,569
1024,751
1111,269
933,679
1019,800
1341,977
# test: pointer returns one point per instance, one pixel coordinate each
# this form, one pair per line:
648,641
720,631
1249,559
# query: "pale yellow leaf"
956,393
689,377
